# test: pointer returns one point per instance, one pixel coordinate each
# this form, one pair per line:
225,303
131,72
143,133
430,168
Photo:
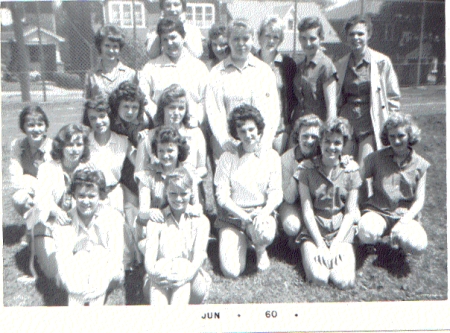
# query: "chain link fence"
59,39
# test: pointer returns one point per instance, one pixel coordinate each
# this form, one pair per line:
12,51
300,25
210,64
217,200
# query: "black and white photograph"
224,152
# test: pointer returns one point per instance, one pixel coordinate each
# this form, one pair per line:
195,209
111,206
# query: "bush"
67,80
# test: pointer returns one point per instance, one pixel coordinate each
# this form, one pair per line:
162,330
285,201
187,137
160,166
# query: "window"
201,15
291,25
121,13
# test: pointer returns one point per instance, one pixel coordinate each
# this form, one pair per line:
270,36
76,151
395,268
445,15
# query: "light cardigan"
385,91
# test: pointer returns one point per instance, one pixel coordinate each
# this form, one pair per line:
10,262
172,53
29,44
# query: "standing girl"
315,81
368,88
110,71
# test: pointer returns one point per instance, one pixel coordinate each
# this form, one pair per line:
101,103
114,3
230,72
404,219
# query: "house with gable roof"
256,11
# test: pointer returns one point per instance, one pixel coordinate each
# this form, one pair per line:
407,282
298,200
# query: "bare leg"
232,252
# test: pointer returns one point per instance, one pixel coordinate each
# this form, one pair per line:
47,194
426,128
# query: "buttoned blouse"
109,158
230,86
194,137
23,162
309,81
394,186
328,194
248,178
189,72
356,95
154,178
105,229
177,239
100,83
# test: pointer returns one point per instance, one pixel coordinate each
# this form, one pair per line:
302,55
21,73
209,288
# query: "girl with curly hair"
399,179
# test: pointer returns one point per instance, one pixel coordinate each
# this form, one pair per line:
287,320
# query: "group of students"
311,150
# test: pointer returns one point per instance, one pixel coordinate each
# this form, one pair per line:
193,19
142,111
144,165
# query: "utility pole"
22,52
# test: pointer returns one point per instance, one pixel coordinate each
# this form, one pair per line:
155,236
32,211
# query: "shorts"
328,238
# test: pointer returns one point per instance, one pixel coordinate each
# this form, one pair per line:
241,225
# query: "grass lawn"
380,277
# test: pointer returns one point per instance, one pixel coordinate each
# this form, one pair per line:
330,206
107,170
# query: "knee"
318,277
264,236
370,228
344,281
291,225
230,270
412,239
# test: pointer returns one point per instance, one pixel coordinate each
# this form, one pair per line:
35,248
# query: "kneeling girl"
328,188
176,249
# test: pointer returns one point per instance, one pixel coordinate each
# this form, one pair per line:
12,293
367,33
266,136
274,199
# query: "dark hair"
98,104
89,178
311,22
242,113
112,32
128,91
305,121
216,31
183,4
169,95
30,110
354,20
168,25
179,177
64,136
337,125
169,134
397,119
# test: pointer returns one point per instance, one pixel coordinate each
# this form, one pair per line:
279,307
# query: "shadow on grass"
213,256
394,261
12,234
134,283
51,293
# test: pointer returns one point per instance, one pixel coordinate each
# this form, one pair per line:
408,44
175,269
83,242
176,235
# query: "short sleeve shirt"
248,178
177,239
154,178
309,81
100,83
24,162
328,194
394,186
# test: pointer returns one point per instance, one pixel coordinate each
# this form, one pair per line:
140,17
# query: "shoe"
263,261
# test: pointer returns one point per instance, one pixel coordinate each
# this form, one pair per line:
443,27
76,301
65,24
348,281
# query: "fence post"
22,52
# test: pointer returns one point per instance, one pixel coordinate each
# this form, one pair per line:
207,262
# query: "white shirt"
248,178
229,87
110,157
189,72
